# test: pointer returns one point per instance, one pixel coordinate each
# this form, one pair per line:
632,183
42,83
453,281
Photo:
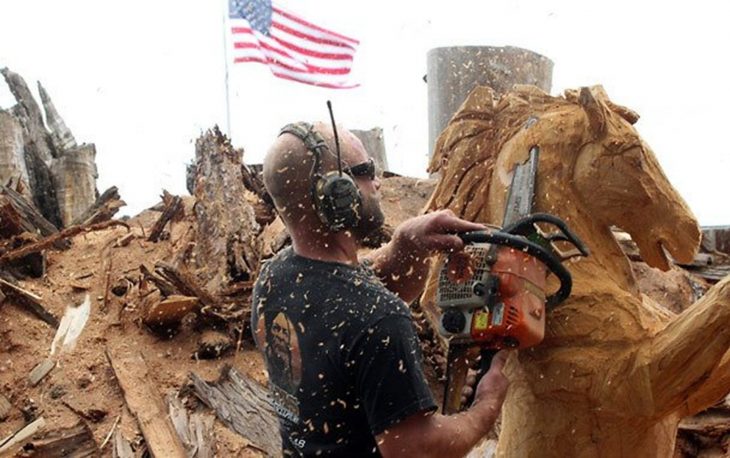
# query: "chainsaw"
504,302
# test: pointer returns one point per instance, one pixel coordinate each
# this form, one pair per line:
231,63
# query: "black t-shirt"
342,354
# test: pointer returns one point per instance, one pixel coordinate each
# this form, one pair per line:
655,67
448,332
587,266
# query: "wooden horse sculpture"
616,371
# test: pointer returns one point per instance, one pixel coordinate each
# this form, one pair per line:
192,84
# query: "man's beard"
371,221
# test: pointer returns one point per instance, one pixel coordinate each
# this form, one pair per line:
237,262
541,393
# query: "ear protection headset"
336,197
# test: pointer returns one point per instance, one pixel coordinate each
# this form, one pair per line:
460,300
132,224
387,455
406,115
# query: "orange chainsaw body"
518,319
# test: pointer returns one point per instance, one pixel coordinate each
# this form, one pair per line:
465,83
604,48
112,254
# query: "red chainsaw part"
520,321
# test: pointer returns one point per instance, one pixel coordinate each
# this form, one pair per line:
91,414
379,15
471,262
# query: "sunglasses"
364,170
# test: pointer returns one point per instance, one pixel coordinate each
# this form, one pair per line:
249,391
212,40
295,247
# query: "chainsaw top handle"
533,249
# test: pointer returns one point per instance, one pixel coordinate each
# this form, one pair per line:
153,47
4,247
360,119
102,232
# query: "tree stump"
455,70
227,248
47,166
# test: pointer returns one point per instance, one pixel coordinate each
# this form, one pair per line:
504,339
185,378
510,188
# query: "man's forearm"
459,433
402,272
439,435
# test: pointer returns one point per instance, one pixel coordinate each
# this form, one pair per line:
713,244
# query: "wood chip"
40,371
170,311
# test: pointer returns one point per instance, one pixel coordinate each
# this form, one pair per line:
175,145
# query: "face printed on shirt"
282,353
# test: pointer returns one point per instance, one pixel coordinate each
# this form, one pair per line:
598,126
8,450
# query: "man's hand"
492,388
403,263
432,232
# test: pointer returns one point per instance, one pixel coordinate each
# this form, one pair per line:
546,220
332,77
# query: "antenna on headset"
337,139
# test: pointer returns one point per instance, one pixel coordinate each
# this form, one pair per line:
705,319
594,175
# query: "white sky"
142,79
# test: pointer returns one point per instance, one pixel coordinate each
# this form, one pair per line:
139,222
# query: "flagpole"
225,57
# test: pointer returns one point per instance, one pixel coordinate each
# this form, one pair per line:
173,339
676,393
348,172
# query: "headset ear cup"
338,201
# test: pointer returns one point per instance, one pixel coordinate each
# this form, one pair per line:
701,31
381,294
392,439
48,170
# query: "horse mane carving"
616,371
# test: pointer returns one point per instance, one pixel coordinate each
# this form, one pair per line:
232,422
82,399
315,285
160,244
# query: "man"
353,384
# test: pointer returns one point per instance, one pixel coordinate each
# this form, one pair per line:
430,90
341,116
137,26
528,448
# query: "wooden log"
103,209
61,136
145,403
76,441
28,300
173,206
74,178
227,247
242,405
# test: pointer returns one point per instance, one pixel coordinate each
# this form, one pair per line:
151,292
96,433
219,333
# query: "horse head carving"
601,372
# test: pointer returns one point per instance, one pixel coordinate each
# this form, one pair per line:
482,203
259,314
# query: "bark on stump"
74,178
13,171
227,248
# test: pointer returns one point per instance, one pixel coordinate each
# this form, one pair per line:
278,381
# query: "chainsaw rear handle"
533,249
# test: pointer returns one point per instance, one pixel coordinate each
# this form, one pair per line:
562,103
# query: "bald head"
288,171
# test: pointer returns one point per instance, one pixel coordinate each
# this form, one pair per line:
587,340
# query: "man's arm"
426,435
403,263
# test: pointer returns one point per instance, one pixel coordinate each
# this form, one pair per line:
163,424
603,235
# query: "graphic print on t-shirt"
284,361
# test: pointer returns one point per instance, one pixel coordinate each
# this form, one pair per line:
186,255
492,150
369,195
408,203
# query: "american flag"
293,48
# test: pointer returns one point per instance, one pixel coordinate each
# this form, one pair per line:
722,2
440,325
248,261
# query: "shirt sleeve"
388,373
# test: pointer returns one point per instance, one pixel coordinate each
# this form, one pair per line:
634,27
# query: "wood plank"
244,406
22,434
145,403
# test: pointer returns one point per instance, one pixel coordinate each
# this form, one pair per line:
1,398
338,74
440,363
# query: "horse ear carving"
627,113
594,110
